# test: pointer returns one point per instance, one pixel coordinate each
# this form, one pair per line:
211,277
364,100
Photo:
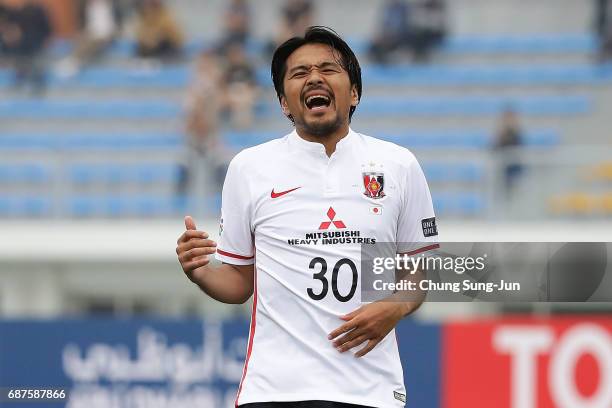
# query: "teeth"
310,98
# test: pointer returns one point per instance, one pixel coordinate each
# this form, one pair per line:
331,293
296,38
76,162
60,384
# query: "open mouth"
317,102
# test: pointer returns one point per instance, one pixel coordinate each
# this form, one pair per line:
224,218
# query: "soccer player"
295,213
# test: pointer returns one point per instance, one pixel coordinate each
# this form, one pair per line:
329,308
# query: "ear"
284,106
354,96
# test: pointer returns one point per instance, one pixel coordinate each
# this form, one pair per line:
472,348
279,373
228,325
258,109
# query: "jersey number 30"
334,282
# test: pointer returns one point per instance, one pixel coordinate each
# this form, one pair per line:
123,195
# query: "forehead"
313,54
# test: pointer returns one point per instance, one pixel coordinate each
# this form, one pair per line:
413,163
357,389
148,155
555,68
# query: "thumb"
189,223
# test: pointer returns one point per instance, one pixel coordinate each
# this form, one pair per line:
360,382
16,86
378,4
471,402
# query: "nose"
314,78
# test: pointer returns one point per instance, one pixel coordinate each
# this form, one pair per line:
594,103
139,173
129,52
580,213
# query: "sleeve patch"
430,228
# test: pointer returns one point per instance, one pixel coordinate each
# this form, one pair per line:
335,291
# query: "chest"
332,198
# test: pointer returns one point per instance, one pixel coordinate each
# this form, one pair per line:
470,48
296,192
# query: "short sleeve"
235,244
417,231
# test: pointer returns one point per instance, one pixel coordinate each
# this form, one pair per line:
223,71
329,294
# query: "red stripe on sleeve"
225,253
418,251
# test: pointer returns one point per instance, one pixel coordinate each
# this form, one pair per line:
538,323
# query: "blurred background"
118,117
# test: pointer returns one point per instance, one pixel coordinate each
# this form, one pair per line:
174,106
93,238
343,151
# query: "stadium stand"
128,116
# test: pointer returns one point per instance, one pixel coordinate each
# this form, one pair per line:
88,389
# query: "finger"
369,347
352,335
192,253
189,223
197,243
202,243
353,343
351,315
348,326
190,266
189,234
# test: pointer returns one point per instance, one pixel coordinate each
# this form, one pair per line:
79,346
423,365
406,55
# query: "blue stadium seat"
120,205
464,139
445,75
441,172
239,140
31,173
474,105
104,77
24,206
116,173
140,205
536,44
458,139
116,141
26,142
165,77
92,141
88,109
459,204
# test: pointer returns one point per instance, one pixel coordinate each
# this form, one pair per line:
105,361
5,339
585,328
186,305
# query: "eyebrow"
321,65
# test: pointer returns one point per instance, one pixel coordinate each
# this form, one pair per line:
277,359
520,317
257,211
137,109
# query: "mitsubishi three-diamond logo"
331,214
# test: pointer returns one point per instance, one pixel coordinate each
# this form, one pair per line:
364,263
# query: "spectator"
297,16
394,32
100,24
237,23
603,29
25,33
4,23
240,84
158,35
508,138
203,102
428,27
203,106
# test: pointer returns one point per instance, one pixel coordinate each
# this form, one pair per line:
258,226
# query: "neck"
328,140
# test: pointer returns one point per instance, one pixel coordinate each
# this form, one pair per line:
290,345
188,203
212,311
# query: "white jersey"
302,217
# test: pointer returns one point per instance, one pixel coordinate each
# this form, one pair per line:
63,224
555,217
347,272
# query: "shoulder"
256,155
389,151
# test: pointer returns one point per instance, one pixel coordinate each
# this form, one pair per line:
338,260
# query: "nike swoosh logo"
282,193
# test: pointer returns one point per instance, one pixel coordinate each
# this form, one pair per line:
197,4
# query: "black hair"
316,35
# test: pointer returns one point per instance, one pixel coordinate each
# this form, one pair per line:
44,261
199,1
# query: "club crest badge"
374,184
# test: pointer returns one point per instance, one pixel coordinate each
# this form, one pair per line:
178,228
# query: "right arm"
226,283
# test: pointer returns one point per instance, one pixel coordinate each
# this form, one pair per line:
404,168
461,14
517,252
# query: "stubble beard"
321,129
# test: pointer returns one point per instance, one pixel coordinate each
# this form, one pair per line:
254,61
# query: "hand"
371,323
193,248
